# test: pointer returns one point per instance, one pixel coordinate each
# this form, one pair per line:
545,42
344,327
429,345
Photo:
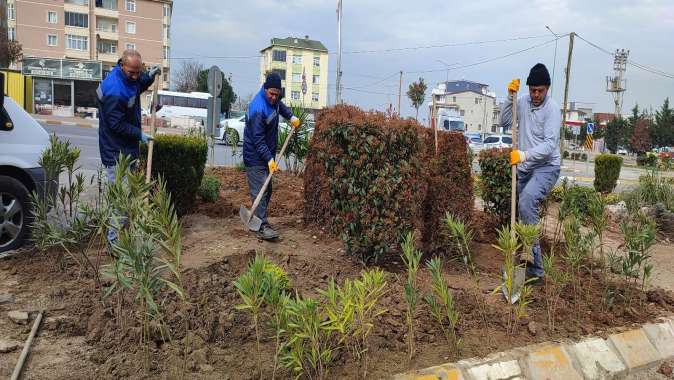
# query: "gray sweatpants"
532,188
256,176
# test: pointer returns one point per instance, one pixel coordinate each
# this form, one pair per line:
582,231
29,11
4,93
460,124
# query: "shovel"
248,216
519,272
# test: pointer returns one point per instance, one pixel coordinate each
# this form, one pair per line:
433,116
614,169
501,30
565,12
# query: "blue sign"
590,128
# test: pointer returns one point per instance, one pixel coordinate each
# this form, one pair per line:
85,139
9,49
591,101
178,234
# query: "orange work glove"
295,122
514,86
273,166
517,156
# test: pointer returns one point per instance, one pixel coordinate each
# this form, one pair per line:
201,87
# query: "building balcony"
107,35
76,31
279,65
108,57
105,12
77,54
77,8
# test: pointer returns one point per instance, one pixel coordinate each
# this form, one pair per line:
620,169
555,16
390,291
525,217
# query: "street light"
554,64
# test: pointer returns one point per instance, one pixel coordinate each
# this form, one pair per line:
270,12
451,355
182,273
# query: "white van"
22,141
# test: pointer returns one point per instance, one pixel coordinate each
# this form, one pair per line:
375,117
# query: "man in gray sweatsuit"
537,154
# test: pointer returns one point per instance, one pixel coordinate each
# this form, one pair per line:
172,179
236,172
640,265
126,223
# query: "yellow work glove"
295,122
273,166
514,86
517,156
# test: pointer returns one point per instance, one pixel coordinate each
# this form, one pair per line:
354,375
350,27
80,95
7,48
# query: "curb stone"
592,358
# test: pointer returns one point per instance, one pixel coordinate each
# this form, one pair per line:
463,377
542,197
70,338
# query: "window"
107,47
106,25
278,55
317,79
131,27
295,95
130,5
107,4
491,140
167,10
297,77
463,113
80,20
479,126
77,42
11,11
130,46
314,96
476,100
280,72
167,32
52,40
297,59
507,140
52,17
11,33
317,61
78,2
166,52
453,99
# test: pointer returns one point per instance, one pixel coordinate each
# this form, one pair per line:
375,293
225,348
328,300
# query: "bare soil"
84,337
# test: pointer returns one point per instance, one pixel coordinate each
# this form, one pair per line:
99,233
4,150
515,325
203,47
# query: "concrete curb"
593,358
66,123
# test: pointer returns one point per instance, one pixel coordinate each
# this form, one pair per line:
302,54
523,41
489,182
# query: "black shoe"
535,280
266,232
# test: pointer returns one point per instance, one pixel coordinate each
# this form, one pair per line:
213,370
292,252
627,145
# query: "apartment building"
303,66
69,46
472,101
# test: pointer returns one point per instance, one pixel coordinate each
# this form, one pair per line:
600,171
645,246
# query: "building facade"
303,66
472,101
69,46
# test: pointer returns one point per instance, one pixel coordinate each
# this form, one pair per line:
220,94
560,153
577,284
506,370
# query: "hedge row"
371,179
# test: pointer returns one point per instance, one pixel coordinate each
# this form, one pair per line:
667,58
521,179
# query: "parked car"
474,142
230,131
22,141
498,141
622,151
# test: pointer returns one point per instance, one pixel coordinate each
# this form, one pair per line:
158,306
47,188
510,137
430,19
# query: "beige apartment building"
69,46
302,64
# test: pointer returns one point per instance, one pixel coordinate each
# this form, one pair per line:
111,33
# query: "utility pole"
616,84
400,90
338,96
566,95
554,63
4,38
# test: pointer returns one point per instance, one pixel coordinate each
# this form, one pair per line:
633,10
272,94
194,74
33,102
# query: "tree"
417,94
187,76
614,131
641,139
227,95
662,132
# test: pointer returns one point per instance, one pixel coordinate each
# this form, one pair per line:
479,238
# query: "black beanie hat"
273,81
538,76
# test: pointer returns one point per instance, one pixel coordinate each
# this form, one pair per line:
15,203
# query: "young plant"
527,235
639,235
146,257
556,280
579,248
508,244
252,286
310,345
411,257
461,236
442,305
277,299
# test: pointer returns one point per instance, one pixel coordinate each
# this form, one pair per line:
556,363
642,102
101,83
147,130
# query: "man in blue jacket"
119,125
537,154
259,145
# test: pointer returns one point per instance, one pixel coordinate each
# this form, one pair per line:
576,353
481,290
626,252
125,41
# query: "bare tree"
187,76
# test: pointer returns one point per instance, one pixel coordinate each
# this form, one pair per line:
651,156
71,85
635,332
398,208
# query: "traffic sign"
214,81
590,128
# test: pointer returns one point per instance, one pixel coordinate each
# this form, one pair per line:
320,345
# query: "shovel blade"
519,278
249,219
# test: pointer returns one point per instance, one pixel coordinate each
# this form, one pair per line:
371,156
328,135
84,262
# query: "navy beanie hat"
538,76
273,81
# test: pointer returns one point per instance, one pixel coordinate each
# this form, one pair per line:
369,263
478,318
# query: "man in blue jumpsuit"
119,129
537,154
259,145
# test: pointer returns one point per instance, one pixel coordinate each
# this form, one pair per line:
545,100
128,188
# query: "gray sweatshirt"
537,131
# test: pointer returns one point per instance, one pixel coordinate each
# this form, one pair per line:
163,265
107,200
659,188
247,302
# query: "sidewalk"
64,120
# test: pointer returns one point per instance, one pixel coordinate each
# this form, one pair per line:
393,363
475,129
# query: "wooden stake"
435,125
26,347
153,120
513,170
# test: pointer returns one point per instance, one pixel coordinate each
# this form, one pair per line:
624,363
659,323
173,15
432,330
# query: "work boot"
535,280
266,232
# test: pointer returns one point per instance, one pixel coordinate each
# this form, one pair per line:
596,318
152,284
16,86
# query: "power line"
629,61
489,59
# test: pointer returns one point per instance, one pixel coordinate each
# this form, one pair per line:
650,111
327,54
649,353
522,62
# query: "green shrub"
648,159
583,157
575,200
210,188
566,154
180,161
496,182
606,172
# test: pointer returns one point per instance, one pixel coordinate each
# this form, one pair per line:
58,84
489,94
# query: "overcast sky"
227,28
